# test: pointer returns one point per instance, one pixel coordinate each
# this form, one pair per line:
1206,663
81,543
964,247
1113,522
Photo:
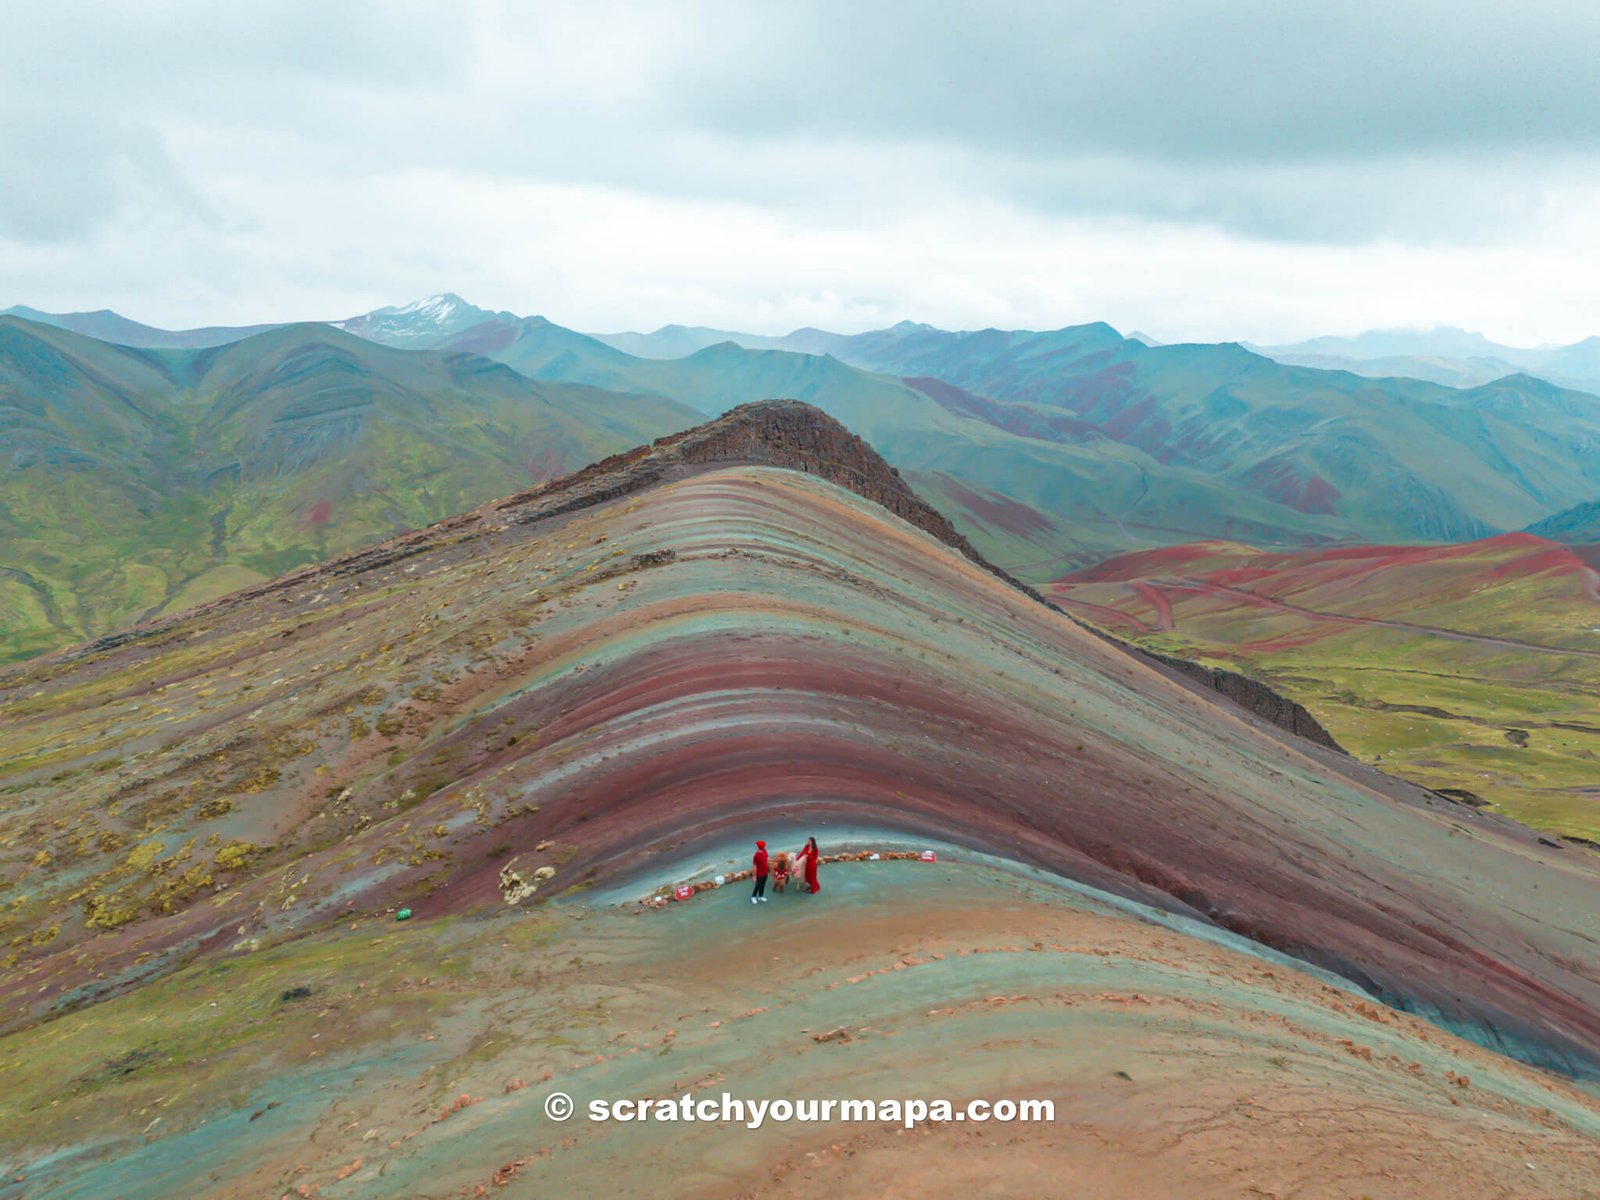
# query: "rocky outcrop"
778,433
1253,695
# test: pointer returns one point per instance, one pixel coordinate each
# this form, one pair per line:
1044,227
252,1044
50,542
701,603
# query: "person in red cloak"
759,862
811,866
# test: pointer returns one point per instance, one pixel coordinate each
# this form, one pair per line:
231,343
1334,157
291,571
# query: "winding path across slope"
1146,591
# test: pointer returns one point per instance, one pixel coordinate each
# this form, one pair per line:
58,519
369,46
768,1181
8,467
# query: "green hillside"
1391,459
142,481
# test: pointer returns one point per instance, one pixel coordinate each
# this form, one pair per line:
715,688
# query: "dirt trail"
1157,601
1259,601
1112,616
1144,490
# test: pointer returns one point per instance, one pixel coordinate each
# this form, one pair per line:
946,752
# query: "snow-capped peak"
427,322
434,308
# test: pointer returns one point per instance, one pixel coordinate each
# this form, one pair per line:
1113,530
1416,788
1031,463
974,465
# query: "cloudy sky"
1192,168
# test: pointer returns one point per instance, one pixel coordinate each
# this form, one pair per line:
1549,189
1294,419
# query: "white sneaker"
753,899
763,899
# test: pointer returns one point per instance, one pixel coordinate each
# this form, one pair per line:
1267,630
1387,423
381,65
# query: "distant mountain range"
1050,450
1454,357
107,326
1444,355
1095,440
137,482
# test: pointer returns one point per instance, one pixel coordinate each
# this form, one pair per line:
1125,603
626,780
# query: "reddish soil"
1283,482
1010,417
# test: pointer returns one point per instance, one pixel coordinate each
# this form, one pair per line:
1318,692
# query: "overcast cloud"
1192,168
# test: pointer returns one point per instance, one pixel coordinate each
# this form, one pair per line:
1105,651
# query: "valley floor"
414,1059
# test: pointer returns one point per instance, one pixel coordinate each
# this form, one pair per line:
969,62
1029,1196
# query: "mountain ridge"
1455,357
1220,412
1444,354
623,674
108,326
1578,525
781,433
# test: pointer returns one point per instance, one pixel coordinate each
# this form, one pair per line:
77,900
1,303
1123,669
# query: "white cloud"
1266,175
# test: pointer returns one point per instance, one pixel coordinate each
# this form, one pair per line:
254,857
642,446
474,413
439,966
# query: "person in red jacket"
759,862
811,866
